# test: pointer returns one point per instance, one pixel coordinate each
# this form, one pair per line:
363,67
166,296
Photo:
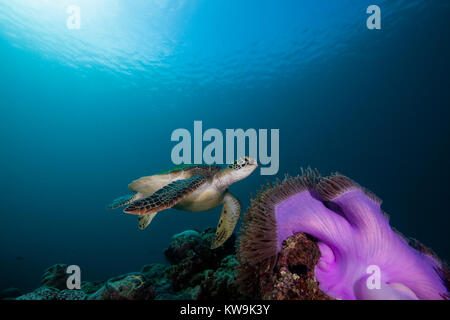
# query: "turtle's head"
242,168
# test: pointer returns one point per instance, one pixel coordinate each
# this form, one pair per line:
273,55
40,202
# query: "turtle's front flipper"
230,215
166,197
145,219
124,200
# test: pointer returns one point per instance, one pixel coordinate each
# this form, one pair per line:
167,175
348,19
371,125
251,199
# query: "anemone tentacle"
353,235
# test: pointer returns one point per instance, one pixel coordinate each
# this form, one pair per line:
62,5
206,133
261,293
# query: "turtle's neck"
224,178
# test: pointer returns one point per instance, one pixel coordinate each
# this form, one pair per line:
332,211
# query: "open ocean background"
84,112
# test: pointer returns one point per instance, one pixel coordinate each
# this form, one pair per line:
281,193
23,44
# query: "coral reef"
130,286
190,254
293,278
284,253
352,235
196,272
289,277
41,293
55,277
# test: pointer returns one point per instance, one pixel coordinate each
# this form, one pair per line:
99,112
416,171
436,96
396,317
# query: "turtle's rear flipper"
124,200
166,197
145,219
230,215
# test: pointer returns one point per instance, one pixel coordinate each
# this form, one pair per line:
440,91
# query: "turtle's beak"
253,162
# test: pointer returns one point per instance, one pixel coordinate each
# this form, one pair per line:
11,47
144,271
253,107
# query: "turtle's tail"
123,201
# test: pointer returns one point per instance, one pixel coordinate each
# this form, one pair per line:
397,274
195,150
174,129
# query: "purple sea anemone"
361,255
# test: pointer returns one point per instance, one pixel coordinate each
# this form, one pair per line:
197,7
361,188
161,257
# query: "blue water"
84,112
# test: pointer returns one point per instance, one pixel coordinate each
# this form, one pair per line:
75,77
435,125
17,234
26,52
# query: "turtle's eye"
240,163
235,165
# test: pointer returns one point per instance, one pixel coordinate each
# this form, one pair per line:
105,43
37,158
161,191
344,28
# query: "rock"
292,277
187,233
294,273
220,284
190,254
131,286
55,277
182,246
48,293
155,275
71,295
154,271
162,288
41,293
174,296
91,287
196,272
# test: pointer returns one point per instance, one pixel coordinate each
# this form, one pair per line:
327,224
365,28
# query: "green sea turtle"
190,188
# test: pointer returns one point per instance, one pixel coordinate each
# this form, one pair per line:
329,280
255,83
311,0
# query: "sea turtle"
190,188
